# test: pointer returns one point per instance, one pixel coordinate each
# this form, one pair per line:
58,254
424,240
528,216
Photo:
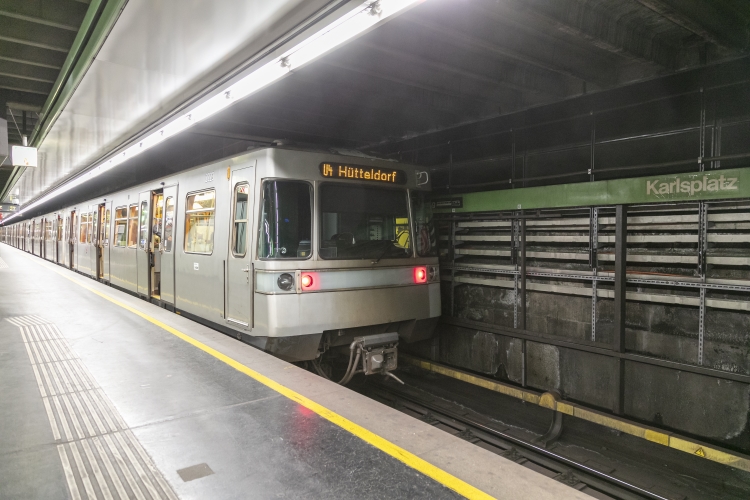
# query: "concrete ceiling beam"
32,43
623,34
704,20
29,62
61,14
38,20
537,75
528,38
28,71
415,61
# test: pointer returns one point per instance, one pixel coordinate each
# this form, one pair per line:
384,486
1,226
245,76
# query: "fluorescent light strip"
335,34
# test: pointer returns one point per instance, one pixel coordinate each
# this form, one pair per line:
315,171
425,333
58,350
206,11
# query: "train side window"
133,226
168,224
121,226
285,228
105,228
200,211
83,227
239,229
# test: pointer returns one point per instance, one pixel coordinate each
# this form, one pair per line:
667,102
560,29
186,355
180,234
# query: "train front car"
347,259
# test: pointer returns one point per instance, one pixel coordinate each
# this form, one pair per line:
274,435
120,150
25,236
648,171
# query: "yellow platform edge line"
667,439
446,479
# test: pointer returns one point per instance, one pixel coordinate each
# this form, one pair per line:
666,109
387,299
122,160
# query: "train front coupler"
371,355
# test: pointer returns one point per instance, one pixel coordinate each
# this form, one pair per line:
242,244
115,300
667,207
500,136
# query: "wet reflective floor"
100,403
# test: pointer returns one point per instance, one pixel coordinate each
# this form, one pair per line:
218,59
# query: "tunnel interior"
498,96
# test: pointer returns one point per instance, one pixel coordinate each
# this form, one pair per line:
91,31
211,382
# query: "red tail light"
420,275
307,281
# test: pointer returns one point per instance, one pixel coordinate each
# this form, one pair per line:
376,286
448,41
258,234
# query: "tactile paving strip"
3,265
100,455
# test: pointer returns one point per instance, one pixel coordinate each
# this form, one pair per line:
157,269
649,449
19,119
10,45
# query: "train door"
72,236
59,241
157,229
239,269
105,216
166,248
64,253
94,224
143,258
55,238
84,242
43,238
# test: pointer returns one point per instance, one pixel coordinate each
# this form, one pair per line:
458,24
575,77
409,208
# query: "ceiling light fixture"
333,35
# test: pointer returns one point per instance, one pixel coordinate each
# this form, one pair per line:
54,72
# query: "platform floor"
107,396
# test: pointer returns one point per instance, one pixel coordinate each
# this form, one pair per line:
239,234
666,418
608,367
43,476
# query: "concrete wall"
686,402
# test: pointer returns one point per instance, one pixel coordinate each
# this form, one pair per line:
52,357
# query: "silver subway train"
299,253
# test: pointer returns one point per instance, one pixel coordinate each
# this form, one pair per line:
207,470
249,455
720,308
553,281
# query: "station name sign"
691,185
362,173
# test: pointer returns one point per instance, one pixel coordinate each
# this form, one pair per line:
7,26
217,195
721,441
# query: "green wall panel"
715,185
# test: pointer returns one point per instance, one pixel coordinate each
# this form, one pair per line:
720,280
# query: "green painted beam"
714,185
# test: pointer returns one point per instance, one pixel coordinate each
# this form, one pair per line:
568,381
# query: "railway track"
491,435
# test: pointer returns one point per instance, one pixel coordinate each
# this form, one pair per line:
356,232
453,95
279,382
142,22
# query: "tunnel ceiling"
35,38
447,63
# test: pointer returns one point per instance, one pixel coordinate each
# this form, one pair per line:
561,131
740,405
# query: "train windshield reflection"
363,222
286,220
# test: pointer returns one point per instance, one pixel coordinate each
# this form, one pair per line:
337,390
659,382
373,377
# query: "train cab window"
168,224
121,226
239,229
364,222
133,226
199,222
286,220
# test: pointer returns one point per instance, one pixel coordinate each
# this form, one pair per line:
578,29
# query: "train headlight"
285,281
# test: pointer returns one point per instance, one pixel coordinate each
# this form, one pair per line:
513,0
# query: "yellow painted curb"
549,400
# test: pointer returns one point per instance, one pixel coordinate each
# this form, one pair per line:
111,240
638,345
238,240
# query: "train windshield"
286,220
363,222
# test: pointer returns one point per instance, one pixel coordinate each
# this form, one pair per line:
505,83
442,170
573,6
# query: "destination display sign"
362,173
8,207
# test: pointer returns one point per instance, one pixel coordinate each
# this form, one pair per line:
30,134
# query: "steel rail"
611,483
